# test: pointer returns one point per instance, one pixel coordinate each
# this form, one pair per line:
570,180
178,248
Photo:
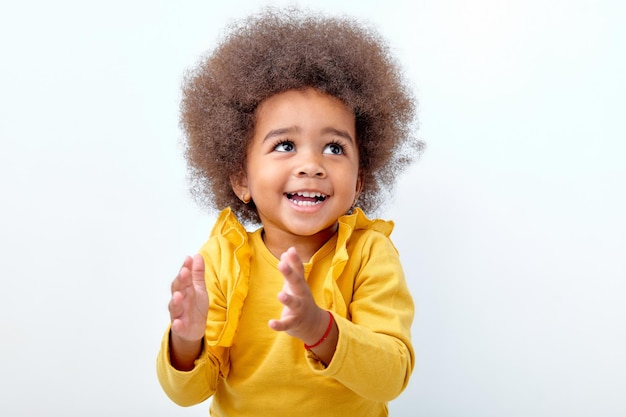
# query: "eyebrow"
296,129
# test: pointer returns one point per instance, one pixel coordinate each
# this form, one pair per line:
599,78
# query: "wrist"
183,352
184,343
326,324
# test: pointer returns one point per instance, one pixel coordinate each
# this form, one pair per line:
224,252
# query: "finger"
289,301
291,266
177,326
188,262
282,324
176,306
197,271
182,279
294,261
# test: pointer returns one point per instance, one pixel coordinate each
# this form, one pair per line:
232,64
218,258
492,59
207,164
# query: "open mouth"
305,198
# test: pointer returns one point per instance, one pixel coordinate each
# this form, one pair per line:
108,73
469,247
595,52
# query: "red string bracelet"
324,336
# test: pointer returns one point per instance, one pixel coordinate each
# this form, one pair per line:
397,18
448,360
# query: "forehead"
304,106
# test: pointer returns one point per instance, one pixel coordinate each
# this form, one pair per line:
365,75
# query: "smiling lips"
306,198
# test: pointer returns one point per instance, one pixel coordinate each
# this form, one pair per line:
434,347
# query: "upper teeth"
309,194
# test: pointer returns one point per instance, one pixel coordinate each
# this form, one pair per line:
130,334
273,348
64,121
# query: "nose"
310,165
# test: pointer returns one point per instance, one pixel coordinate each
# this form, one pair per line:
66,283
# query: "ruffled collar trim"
228,227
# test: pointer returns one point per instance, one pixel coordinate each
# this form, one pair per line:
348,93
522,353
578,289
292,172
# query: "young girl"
296,122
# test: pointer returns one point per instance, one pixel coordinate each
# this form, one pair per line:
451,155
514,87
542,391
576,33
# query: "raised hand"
301,317
189,307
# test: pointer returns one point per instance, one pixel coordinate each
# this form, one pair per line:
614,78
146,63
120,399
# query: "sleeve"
192,387
374,355
187,388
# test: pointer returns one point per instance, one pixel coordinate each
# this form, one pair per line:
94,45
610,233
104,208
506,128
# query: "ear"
359,187
239,184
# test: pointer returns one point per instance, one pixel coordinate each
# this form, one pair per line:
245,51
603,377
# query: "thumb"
197,272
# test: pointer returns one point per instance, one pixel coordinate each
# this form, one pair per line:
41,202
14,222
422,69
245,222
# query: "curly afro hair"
275,51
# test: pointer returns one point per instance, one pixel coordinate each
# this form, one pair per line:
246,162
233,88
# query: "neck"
278,241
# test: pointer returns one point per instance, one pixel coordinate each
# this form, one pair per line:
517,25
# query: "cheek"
352,187
262,176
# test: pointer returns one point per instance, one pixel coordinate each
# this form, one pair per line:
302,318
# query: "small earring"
243,199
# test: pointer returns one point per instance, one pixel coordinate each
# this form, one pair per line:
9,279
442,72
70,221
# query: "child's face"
302,168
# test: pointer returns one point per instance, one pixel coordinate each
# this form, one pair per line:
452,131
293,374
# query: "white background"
512,226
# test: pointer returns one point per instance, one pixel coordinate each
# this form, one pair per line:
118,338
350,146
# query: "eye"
284,146
334,149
